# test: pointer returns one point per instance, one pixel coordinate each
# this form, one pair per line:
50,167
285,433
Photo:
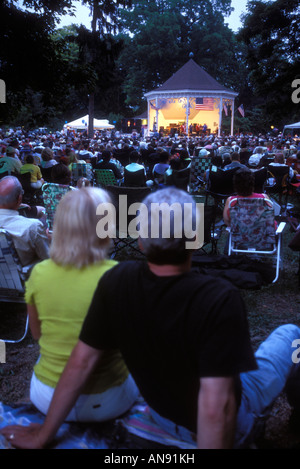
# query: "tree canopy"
271,34
159,36
134,46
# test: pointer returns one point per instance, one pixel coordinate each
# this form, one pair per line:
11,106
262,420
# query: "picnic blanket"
135,430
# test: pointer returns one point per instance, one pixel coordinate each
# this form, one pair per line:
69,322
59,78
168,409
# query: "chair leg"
16,341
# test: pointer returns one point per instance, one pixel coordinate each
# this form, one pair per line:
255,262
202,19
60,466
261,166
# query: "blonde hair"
74,240
72,157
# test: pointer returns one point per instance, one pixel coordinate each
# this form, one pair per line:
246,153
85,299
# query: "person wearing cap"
204,152
10,163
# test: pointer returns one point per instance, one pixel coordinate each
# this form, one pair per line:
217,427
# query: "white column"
148,117
232,117
187,116
220,116
156,104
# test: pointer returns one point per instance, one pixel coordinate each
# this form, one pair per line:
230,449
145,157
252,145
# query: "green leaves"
271,34
159,36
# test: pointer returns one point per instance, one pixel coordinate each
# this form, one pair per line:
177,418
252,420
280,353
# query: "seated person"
78,259
235,162
72,158
243,181
29,235
10,163
279,161
160,168
36,180
61,174
83,182
216,162
226,160
106,163
174,165
255,159
47,157
85,153
135,173
177,168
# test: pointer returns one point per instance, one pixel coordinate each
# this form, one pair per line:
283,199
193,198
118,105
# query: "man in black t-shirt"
184,337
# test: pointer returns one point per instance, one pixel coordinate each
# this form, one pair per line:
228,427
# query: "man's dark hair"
235,156
134,157
106,154
29,159
243,181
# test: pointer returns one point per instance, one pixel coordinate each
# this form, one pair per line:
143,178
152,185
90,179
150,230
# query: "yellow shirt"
33,169
62,296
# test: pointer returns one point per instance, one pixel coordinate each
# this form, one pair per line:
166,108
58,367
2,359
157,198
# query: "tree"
28,62
271,34
105,18
53,71
159,36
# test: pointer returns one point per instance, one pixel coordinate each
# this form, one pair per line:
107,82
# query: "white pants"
36,185
89,407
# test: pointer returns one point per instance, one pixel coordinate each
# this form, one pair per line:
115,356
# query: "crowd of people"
111,331
135,160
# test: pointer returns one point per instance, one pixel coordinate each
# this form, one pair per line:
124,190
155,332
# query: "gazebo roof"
193,78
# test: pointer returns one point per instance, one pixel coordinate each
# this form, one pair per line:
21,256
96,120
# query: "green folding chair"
105,177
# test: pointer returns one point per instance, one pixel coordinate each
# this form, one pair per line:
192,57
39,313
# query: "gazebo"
191,97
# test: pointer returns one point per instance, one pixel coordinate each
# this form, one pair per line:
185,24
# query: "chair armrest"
280,228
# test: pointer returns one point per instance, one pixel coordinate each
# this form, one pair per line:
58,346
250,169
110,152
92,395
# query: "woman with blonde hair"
58,294
72,157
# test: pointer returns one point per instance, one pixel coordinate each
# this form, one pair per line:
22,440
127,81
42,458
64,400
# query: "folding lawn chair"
12,277
253,230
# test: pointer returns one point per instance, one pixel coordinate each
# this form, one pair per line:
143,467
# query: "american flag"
241,110
204,104
225,107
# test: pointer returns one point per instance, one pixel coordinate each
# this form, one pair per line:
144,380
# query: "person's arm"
34,322
217,410
75,375
39,175
41,244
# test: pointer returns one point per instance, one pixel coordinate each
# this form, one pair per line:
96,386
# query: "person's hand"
23,437
49,235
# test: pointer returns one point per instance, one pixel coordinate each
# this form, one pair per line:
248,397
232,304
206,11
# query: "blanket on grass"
135,430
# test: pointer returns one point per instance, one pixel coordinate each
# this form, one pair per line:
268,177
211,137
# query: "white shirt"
29,236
